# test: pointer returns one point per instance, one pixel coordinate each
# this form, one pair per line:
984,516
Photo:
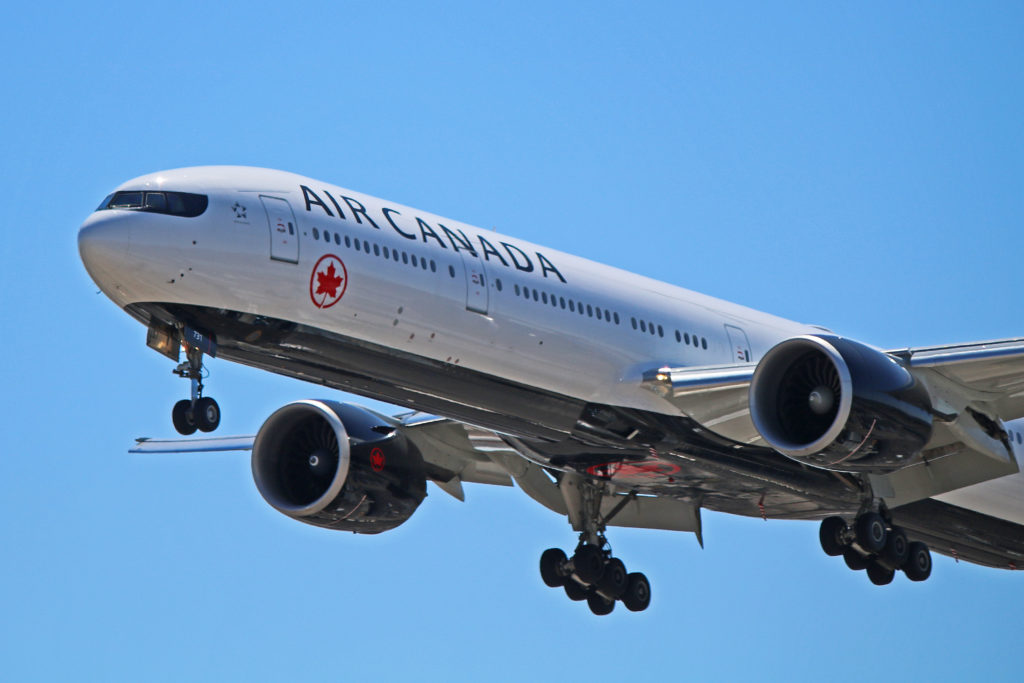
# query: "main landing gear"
592,573
200,412
875,544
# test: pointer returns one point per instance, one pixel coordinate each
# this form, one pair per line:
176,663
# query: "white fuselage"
474,298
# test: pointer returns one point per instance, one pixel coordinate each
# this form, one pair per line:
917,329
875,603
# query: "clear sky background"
856,165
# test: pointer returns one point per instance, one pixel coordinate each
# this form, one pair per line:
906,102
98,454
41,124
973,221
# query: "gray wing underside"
990,372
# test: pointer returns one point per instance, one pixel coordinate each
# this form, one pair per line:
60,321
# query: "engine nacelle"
839,405
337,466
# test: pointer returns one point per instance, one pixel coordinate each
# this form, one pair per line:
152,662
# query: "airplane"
610,398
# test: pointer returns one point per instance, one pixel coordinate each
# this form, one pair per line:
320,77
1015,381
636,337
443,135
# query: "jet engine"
337,466
837,404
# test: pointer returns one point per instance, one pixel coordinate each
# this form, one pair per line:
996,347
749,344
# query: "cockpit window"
173,203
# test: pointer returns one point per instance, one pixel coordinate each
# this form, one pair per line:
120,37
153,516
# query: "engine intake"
337,466
840,405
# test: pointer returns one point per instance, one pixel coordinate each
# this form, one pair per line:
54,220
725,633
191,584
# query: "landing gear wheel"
183,418
880,575
600,605
613,584
919,562
551,561
638,593
871,532
896,550
588,562
207,414
854,560
831,534
574,591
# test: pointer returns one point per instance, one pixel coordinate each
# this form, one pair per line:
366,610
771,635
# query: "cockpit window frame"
181,204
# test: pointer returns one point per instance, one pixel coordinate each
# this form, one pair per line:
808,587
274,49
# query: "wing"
456,452
990,372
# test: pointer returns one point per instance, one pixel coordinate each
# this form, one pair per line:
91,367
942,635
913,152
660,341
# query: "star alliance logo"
239,212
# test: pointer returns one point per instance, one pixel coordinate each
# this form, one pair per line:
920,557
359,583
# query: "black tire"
871,532
207,414
574,591
854,560
918,566
613,584
182,417
588,563
897,549
638,593
551,561
600,605
879,574
831,534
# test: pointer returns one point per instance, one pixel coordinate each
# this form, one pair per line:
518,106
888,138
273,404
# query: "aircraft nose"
103,245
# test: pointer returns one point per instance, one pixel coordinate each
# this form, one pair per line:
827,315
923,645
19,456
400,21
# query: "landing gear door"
477,297
739,346
284,233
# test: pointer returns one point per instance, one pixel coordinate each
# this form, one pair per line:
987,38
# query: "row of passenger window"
368,247
537,295
681,337
566,304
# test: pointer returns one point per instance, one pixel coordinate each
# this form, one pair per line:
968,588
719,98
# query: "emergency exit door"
284,233
477,296
739,344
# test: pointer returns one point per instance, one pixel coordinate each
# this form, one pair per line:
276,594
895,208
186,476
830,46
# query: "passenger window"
703,342
535,297
561,301
544,297
497,283
387,254
616,318
433,267
376,250
316,234
405,257
337,239
515,287
572,306
633,321
348,241
643,326
661,331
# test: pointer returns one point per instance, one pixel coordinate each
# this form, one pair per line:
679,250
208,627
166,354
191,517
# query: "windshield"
173,203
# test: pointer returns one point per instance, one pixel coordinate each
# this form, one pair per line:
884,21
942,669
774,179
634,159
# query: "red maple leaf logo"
327,286
377,460
328,283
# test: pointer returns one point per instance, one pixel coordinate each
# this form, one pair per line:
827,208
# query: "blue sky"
855,165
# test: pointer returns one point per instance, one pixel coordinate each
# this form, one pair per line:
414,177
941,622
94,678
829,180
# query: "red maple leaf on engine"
328,283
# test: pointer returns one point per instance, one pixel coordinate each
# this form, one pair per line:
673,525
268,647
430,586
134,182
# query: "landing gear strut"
199,412
874,543
592,573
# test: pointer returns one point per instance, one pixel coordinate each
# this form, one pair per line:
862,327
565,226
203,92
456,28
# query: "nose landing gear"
199,412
